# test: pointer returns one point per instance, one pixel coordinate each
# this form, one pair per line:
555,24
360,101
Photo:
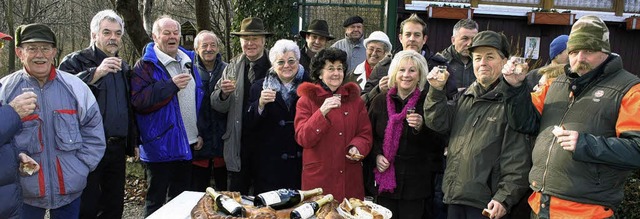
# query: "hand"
24,104
31,165
198,144
415,121
108,65
383,84
436,80
513,79
266,96
496,210
227,86
382,163
329,103
354,154
566,138
181,80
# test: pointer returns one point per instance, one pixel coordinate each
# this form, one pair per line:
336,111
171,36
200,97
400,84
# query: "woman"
378,47
276,158
332,127
406,151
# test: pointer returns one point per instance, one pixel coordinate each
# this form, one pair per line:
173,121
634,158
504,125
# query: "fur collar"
349,91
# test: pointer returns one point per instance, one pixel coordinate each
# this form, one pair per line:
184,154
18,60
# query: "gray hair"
156,24
384,45
109,15
196,41
417,60
466,24
281,47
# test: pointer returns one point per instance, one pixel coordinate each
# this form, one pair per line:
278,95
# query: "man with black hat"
64,133
353,42
316,37
587,124
487,161
166,93
11,160
231,96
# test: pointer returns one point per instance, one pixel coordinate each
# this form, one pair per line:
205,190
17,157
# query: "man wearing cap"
64,134
352,43
557,54
166,93
458,55
378,47
11,160
232,97
487,161
316,37
587,124
108,77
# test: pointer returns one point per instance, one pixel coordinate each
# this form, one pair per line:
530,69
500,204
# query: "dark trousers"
200,177
103,197
166,181
403,209
71,210
239,181
467,212
220,178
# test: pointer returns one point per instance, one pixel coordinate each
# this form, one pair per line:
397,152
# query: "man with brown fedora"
229,97
316,37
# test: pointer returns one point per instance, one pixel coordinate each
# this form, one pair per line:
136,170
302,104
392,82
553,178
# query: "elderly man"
352,43
231,97
316,37
211,123
166,93
12,161
557,54
587,125
378,47
108,77
488,161
458,56
64,134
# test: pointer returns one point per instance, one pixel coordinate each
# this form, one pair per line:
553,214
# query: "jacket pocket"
28,139
71,174
67,128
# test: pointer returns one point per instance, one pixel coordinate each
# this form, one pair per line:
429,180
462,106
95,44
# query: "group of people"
454,134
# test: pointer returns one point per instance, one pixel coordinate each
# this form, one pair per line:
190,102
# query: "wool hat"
589,33
558,45
318,27
378,36
491,39
5,36
252,26
352,20
31,33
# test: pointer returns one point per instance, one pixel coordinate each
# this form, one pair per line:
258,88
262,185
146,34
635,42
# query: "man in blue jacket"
166,93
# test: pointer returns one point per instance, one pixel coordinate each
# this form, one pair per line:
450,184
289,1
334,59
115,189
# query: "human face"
375,52
108,38
462,40
562,58
37,59
169,37
487,65
407,76
332,74
583,61
207,48
354,31
412,37
315,42
286,66
252,46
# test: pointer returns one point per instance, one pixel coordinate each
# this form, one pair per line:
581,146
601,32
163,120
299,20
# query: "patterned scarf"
387,180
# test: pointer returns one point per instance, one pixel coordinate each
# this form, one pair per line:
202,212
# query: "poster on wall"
532,47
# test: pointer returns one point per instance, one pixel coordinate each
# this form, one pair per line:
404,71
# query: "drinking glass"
30,89
519,63
441,70
411,110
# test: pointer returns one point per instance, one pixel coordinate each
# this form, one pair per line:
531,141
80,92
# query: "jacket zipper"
546,165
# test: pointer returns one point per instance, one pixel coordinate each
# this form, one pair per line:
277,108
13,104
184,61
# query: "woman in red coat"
333,128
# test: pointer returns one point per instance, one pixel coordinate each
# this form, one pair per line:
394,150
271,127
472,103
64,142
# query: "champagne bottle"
284,198
307,210
226,204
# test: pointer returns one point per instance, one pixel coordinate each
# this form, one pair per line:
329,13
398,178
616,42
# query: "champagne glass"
339,96
519,63
441,70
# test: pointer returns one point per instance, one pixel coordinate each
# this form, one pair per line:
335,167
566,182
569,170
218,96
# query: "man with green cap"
587,124
64,134
487,161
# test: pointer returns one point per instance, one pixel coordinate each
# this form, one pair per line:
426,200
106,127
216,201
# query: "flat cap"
491,39
352,20
31,33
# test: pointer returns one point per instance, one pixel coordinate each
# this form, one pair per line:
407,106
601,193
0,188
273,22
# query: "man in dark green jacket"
487,161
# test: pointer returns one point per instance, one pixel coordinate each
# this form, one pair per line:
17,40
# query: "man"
211,123
378,47
64,134
108,77
11,161
458,56
587,125
352,43
487,161
557,54
166,93
232,98
316,37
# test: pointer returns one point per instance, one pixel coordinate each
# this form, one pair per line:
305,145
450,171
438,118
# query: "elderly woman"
276,158
332,127
378,46
405,150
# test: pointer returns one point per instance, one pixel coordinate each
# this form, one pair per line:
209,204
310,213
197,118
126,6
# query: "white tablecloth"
179,207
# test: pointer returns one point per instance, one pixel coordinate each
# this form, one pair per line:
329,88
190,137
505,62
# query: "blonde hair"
417,60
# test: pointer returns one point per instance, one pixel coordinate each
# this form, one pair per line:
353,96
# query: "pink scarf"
387,180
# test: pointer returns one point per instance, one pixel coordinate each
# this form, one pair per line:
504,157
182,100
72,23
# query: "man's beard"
581,67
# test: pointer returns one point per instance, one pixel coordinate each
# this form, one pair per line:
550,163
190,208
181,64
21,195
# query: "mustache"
112,43
581,66
208,52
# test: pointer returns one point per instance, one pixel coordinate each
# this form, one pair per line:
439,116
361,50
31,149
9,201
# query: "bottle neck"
310,193
325,200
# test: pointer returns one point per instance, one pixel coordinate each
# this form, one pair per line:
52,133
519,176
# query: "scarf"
387,180
367,69
272,80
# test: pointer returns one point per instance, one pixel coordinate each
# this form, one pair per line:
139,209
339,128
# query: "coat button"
340,133
542,205
534,183
340,171
346,113
317,130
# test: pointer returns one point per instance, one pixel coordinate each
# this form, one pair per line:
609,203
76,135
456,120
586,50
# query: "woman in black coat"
276,158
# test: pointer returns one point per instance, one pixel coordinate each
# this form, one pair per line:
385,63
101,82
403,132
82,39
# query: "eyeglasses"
290,62
375,50
331,69
32,50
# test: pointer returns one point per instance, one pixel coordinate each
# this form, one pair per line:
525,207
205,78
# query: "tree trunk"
133,21
203,8
227,26
10,24
147,16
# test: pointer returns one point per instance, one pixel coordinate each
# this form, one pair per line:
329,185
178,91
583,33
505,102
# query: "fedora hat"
318,27
252,26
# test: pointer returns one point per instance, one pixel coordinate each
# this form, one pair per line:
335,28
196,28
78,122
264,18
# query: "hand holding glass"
441,71
519,64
